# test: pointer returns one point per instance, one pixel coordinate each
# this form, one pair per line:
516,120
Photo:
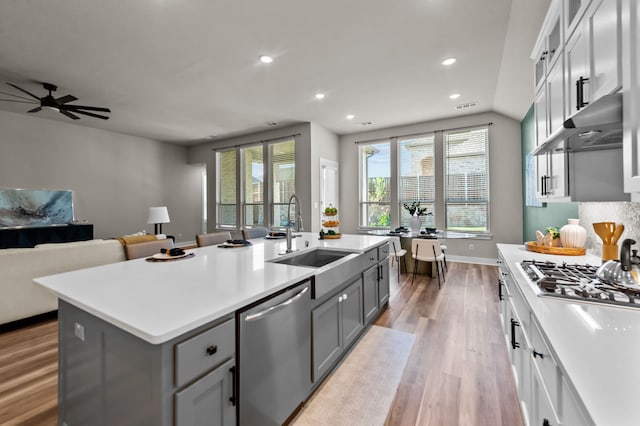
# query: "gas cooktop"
578,283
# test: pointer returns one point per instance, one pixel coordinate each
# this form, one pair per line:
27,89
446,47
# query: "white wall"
115,178
505,179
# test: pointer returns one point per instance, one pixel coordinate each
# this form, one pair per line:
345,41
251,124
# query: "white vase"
415,224
573,235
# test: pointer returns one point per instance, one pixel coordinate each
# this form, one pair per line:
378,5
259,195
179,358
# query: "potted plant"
416,211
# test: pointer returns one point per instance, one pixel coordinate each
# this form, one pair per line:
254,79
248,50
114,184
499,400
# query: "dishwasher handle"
293,299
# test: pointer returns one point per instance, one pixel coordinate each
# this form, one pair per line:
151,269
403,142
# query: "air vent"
366,123
271,124
467,105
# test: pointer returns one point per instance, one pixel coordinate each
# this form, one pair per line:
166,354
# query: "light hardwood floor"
458,372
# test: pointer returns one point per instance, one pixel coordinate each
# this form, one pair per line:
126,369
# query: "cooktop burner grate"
577,282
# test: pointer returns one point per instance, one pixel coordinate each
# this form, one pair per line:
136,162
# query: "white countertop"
157,301
597,346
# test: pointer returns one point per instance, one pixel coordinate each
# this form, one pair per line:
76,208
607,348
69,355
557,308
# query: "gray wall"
115,178
505,180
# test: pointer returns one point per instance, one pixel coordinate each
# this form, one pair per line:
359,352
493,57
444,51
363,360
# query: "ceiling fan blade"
16,96
68,114
35,109
90,114
88,108
65,99
24,91
14,100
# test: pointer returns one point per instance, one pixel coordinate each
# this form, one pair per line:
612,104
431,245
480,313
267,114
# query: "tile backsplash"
627,213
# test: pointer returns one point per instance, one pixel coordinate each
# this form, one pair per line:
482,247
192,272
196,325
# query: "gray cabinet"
108,376
370,293
208,401
383,282
335,324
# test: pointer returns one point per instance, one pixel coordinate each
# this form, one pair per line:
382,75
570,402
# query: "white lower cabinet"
545,394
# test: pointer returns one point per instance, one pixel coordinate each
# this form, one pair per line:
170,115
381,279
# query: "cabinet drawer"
383,252
204,351
543,359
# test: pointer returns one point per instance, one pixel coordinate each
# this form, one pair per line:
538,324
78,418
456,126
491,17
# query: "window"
466,165
416,172
283,178
446,171
254,183
227,208
375,184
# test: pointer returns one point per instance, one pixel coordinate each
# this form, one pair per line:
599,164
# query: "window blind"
416,171
283,178
467,180
227,189
375,184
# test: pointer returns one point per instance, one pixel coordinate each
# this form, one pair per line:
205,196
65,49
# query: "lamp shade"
158,215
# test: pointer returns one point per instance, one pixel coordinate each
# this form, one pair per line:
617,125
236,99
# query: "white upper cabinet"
577,71
573,11
605,29
631,98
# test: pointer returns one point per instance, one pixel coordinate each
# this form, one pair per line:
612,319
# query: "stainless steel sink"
315,258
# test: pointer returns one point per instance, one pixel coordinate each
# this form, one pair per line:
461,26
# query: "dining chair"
249,233
398,252
212,238
427,251
148,248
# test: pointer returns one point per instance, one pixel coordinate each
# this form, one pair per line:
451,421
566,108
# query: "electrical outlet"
79,331
471,246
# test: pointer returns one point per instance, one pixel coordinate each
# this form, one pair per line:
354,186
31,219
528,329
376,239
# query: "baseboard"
469,259
24,322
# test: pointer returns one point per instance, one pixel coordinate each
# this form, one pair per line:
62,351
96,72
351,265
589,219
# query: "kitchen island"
142,342
574,362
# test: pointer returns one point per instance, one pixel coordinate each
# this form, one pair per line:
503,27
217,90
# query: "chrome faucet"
298,220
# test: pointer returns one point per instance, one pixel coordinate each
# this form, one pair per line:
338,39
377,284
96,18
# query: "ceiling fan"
61,104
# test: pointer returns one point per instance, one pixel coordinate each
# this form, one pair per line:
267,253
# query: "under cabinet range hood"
597,126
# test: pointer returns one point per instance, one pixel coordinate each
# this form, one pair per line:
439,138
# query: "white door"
329,185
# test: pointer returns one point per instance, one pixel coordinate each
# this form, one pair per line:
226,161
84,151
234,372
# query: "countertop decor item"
572,235
609,233
563,251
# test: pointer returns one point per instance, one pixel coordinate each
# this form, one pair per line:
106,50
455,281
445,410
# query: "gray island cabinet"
147,343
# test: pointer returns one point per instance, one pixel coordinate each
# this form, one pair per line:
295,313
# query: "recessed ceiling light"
266,59
454,96
350,117
319,95
449,61
211,136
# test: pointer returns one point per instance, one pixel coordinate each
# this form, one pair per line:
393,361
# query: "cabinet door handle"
212,350
500,290
537,354
514,324
546,422
233,398
580,103
345,297
340,299
380,273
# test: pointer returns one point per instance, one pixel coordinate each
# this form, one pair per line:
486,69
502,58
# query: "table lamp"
158,216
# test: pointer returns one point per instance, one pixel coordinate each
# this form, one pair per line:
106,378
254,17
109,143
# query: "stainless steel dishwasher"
275,357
